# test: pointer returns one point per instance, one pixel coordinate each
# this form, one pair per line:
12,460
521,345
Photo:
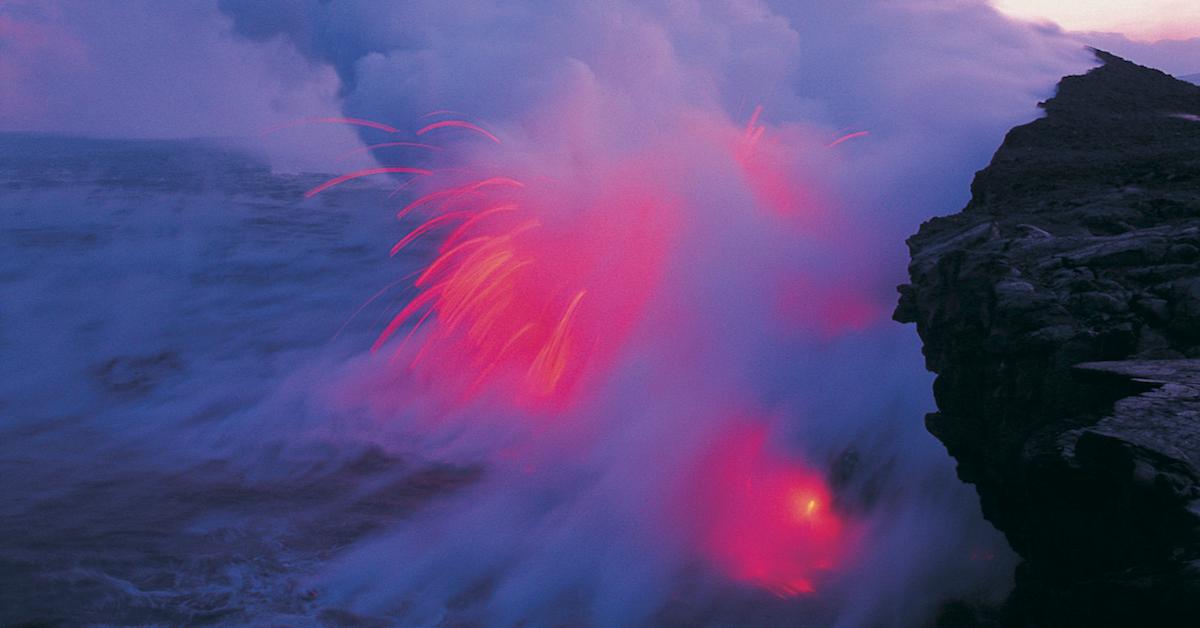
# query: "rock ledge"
1061,312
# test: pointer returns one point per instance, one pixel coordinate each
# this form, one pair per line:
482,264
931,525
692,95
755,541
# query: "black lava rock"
1060,309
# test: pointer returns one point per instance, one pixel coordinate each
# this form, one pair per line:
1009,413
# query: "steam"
712,417
147,72
748,346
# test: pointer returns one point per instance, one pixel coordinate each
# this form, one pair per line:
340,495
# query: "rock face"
1061,312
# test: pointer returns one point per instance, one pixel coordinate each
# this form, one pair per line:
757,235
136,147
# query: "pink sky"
1137,19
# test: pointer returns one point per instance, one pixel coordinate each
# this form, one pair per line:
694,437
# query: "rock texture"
1061,312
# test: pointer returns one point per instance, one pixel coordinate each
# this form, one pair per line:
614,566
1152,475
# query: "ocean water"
153,297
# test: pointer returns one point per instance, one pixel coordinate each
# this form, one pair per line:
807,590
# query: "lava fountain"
560,306
520,299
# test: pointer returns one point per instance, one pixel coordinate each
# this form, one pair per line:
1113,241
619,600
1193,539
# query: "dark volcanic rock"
1081,244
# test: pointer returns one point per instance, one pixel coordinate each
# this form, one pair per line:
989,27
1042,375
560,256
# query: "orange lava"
766,520
536,285
520,297
364,173
846,138
766,163
461,124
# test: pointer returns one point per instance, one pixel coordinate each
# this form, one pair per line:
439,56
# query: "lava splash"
765,519
521,299
543,291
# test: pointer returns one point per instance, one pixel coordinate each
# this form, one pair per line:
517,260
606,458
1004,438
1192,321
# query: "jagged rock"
1055,309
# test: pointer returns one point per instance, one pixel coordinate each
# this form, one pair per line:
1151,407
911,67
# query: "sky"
181,70
1145,20
141,69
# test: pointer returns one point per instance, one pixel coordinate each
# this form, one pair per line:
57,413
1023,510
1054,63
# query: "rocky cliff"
1061,312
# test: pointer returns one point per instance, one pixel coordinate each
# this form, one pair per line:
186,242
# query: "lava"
364,173
461,124
518,298
535,286
765,519
846,138
347,121
766,164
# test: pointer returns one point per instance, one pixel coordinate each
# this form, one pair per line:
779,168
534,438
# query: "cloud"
145,70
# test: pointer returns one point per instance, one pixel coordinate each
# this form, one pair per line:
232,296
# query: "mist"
665,384
760,164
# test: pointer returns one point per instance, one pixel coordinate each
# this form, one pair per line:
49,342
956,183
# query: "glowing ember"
846,138
364,173
770,175
461,124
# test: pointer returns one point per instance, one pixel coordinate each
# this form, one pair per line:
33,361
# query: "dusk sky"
1139,19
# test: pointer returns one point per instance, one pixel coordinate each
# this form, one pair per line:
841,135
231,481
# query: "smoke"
671,354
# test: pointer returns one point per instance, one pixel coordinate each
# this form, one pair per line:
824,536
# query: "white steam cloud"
771,308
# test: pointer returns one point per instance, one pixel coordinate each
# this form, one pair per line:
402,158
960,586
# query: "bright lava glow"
766,520
508,296
364,173
534,289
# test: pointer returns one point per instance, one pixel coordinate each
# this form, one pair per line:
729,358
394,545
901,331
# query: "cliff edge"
1061,312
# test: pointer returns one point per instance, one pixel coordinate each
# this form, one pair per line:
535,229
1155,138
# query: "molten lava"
767,520
518,297
533,290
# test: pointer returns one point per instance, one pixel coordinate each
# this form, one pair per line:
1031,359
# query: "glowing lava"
537,283
770,173
519,298
461,124
531,285
767,520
